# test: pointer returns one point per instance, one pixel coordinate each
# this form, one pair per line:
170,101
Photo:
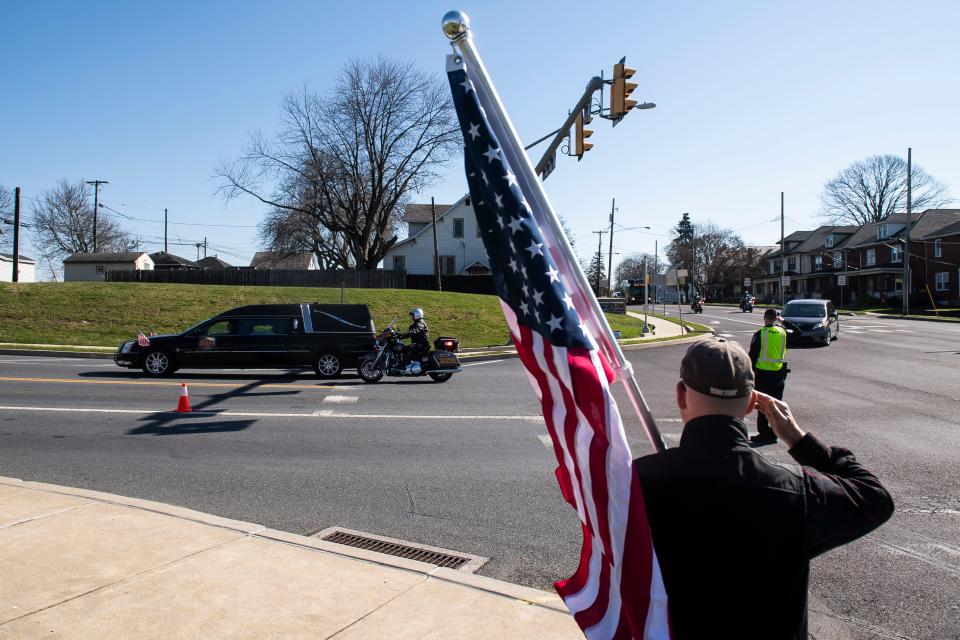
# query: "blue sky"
753,98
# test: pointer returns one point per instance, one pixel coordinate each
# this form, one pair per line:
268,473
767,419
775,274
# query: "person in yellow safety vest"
768,352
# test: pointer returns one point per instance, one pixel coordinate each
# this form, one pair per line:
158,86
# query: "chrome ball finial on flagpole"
456,25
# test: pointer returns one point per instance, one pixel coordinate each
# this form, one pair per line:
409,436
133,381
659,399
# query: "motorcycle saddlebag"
446,343
445,359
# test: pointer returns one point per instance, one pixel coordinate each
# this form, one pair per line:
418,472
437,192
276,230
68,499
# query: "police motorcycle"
387,358
746,304
696,305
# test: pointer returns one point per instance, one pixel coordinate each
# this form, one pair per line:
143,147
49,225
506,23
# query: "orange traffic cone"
183,406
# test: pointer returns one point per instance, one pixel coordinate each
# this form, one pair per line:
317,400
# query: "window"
399,263
448,265
898,284
942,281
818,263
882,231
458,227
220,328
262,326
937,249
871,257
792,264
99,268
896,254
828,241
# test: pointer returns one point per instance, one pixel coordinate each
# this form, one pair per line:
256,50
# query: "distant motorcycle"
746,305
387,359
696,306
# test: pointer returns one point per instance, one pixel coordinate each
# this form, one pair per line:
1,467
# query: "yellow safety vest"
773,348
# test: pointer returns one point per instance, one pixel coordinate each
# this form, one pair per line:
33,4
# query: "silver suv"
812,319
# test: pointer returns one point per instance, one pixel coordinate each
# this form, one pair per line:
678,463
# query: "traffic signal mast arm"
549,156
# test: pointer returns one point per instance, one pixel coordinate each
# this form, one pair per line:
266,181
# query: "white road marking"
323,413
726,335
714,322
669,419
854,331
474,364
672,436
340,400
879,331
547,442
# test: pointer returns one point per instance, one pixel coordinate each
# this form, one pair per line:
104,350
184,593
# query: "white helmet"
416,314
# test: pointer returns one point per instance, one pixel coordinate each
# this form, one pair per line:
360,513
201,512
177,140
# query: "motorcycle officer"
419,335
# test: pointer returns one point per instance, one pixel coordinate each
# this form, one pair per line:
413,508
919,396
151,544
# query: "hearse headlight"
127,346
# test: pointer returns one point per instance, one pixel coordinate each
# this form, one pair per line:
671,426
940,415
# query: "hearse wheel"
328,364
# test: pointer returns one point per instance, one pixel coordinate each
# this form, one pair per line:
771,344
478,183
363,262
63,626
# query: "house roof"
162,258
8,257
212,262
271,260
817,237
422,212
949,230
867,234
101,257
933,221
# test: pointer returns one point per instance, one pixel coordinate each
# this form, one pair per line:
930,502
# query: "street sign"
682,273
841,280
671,280
746,282
785,281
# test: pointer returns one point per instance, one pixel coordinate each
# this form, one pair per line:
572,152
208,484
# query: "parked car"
815,320
328,337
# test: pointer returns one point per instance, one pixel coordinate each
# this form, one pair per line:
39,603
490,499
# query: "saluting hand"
781,420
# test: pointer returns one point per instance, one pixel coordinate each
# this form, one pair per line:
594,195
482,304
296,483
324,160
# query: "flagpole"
456,26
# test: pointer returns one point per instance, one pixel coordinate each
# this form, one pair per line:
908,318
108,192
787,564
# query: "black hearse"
328,337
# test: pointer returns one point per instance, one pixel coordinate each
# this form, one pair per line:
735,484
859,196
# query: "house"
935,262
27,268
271,260
212,262
81,267
163,261
459,244
767,287
875,255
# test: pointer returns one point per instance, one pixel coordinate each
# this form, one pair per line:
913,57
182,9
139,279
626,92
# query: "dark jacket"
734,533
419,334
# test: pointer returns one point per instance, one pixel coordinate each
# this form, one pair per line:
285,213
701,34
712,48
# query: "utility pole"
783,254
656,268
16,236
436,247
599,258
906,234
96,207
204,246
165,231
613,208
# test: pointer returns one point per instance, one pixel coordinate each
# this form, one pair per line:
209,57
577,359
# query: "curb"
47,353
914,318
510,590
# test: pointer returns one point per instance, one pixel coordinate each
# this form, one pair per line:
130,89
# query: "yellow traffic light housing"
620,102
581,145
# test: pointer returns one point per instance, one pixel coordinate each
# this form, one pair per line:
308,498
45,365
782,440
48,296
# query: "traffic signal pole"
548,160
613,208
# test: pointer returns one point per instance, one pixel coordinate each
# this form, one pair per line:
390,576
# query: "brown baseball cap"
718,368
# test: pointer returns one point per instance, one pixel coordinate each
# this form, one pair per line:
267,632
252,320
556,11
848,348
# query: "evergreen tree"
596,273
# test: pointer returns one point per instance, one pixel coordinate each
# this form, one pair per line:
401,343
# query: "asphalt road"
463,465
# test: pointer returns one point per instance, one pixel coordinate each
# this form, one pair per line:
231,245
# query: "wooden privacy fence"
361,278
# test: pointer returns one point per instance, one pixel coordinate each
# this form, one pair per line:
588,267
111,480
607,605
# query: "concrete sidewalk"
83,564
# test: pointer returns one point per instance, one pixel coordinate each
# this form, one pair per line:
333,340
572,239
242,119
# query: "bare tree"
707,251
289,232
63,224
351,159
631,267
871,189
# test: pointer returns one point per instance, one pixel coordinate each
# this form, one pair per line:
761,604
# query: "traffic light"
620,102
581,146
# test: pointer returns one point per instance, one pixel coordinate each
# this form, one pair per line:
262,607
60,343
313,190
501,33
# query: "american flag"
142,340
617,590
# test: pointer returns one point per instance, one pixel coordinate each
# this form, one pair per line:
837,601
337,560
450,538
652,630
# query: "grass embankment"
101,314
694,327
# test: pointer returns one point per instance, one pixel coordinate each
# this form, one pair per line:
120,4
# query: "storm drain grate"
402,549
